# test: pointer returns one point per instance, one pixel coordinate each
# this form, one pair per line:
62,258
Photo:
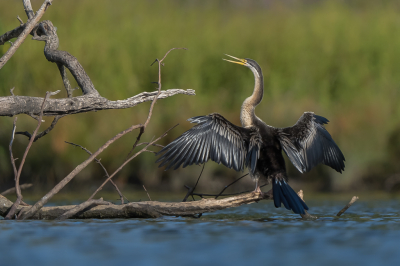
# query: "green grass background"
340,59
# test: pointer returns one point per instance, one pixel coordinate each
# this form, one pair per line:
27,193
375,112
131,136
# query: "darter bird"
256,145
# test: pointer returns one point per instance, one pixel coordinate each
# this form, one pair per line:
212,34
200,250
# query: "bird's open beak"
241,61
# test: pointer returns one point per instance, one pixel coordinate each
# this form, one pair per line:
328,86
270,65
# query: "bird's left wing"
308,143
213,138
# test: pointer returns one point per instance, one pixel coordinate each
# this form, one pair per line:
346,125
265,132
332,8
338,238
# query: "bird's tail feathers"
283,193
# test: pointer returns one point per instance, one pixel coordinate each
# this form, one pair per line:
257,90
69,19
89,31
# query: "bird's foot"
258,191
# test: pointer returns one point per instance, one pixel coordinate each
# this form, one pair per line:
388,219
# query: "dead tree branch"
15,105
45,132
121,196
28,28
81,207
127,161
222,191
65,79
202,195
28,9
38,205
17,187
148,195
191,190
90,101
354,199
12,190
48,33
143,209
10,148
12,34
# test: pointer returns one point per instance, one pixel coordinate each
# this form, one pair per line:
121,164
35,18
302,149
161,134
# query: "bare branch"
20,21
143,209
202,195
104,169
17,187
147,192
15,105
38,205
10,148
85,205
11,34
191,190
354,199
125,163
45,132
28,9
65,79
28,28
12,190
216,197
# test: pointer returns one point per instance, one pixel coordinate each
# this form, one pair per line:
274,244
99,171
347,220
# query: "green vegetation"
340,59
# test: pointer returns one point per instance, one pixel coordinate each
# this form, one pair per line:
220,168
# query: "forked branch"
38,205
17,177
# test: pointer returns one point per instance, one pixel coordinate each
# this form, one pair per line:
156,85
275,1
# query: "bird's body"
256,145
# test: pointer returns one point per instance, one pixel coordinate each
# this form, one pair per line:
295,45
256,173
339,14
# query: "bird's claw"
258,191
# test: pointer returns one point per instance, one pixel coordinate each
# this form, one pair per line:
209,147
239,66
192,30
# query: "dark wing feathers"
308,143
213,138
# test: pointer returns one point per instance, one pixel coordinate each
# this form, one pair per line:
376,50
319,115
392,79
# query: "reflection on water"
367,234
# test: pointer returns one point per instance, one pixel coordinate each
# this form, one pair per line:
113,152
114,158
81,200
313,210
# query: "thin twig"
121,196
191,190
147,192
127,161
10,148
136,143
222,195
354,199
216,197
20,21
142,143
44,132
155,144
17,187
12,190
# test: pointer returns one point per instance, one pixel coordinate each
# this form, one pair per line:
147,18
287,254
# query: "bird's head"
250,63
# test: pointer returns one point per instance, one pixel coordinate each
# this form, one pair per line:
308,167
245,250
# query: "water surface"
367,234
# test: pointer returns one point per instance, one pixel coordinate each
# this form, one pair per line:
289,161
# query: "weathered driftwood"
143,209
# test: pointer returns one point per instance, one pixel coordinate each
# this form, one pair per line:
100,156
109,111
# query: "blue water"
367,234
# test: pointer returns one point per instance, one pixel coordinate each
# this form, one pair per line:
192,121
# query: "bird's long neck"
247,114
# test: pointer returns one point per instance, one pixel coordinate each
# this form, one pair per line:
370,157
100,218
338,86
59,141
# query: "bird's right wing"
213,138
